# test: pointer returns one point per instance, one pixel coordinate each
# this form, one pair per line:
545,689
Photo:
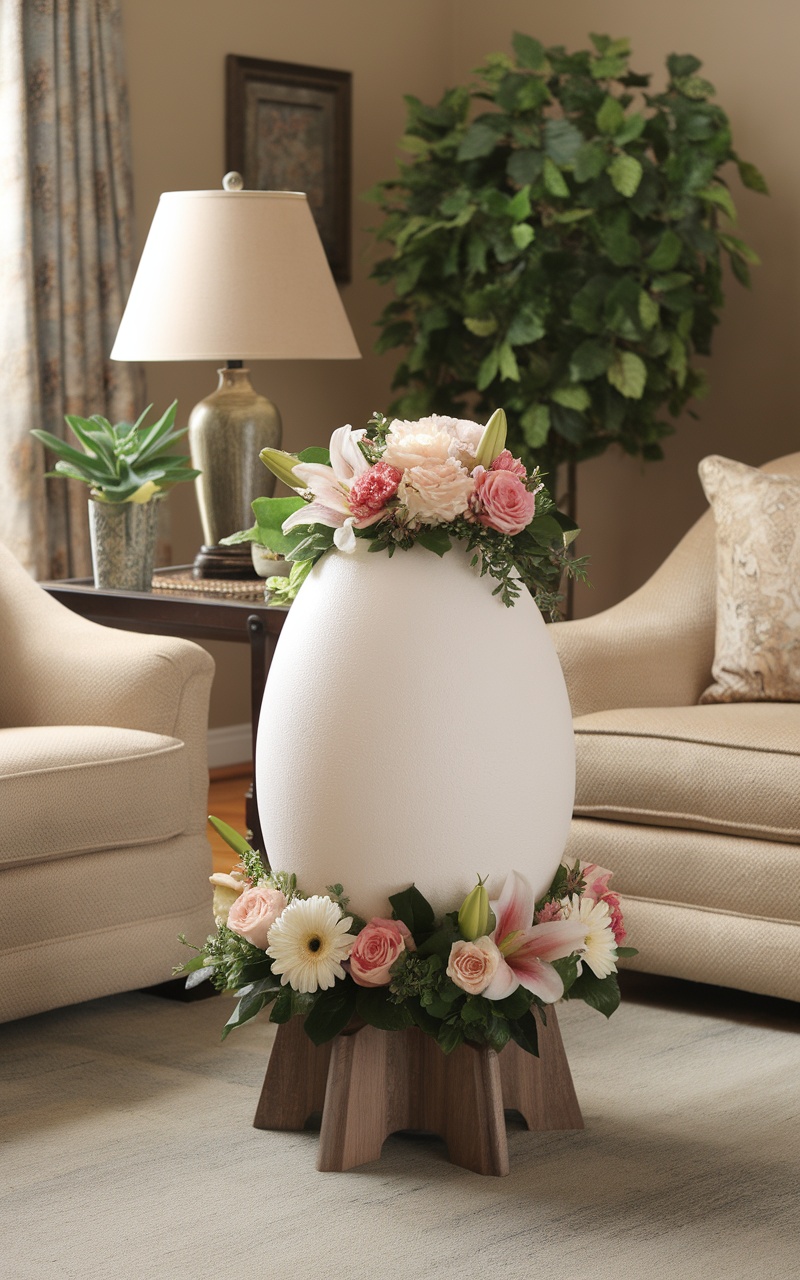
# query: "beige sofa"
695,808
103,793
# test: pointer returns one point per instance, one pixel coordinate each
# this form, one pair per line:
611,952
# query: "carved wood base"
369,1083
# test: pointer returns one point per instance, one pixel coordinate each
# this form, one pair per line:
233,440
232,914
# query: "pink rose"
375,950
370,492
472,965
501,501
506,462
254,913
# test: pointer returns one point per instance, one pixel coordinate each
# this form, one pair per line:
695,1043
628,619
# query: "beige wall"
632,513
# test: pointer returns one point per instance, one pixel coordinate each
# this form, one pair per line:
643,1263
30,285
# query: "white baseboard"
230,744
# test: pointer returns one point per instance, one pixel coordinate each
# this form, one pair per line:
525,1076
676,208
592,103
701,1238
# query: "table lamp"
233,275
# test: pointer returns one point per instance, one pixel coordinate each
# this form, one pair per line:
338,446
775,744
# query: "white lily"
331,489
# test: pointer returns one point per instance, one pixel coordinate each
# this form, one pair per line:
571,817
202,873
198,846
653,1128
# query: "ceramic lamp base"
224,562
369,1083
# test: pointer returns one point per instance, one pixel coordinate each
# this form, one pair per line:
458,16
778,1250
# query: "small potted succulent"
128,469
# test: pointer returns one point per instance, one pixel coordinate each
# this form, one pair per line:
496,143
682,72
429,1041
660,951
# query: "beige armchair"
103,793
696,809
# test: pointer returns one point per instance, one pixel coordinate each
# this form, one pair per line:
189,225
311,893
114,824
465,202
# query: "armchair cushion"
757,516
727,769
72,789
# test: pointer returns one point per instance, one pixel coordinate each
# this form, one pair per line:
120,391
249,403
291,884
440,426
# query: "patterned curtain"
66,244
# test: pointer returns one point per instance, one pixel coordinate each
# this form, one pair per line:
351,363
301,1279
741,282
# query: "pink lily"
526,948
331,489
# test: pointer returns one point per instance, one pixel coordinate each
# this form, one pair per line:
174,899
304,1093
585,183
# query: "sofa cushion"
70,789
730,768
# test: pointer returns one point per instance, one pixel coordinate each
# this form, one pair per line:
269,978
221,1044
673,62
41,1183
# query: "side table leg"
262,648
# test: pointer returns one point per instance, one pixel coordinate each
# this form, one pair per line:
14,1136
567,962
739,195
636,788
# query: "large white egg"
413,730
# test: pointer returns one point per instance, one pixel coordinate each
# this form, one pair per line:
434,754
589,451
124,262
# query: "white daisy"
601,945
308,942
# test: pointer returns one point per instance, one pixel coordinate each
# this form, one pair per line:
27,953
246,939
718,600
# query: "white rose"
412,444
436,492
227,889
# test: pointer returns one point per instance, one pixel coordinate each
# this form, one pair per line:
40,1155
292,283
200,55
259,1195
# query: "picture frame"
288,128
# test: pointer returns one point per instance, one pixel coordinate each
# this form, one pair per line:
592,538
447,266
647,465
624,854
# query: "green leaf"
590,161
562,140
376,1008
632,129
721,197
332,1012
628,374
522,234
525,166
314,541
676,361
625,173
488,370
573,397
449,1037
482,328
610,117
567,970
648,310
530,53
535,424
526,1033
694,87
526,327
601,994
554,180
589,360
514,1006
666,253
479,140
682,64
624,953
568,423
586,308
672,280
413,909
752,178
316,454
440,942
738,247
509,369
519,206
621,247
436,539
246,1009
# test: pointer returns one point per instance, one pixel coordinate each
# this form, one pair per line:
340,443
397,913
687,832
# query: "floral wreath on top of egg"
481,974
428,482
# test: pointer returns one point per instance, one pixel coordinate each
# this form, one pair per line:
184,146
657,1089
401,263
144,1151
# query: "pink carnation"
501,501
550,911
505,461
370,492
597,889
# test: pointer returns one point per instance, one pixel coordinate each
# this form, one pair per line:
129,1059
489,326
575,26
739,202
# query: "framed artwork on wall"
287,128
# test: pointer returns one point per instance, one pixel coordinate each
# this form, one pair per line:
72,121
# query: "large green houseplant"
562,249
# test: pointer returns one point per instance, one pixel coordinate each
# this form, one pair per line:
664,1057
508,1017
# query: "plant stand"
369,1083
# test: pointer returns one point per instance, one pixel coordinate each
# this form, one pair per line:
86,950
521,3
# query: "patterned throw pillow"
757,515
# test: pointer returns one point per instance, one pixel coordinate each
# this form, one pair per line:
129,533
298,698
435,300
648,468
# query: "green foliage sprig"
562,249
122,462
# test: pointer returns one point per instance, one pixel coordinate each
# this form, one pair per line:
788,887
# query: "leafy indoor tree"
560,253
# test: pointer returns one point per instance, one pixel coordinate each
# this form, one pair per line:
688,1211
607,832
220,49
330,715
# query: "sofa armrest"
653,649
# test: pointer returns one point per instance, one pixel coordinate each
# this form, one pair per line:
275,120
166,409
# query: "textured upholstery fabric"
102,727
67,789
696,809
757,516
733,769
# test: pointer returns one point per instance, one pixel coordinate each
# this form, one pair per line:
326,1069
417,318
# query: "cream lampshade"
233,275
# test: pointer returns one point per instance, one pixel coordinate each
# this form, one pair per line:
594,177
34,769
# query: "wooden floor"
226,801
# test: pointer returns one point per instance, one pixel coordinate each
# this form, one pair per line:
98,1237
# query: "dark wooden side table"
177,606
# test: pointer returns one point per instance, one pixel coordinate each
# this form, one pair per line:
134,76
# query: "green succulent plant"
122,463
562,249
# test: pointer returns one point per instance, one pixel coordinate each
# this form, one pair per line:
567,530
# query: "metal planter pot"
123,539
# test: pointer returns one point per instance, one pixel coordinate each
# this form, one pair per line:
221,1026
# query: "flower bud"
282,465
473,918
493,441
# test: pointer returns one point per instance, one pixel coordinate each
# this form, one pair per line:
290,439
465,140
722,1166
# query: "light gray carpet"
127,1151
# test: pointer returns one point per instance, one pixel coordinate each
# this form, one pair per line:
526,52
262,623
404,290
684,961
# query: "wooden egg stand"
369,1083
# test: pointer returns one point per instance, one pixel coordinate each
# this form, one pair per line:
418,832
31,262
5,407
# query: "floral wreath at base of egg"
481,974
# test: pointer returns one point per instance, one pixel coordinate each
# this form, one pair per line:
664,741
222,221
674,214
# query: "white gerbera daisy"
601,945
308,942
